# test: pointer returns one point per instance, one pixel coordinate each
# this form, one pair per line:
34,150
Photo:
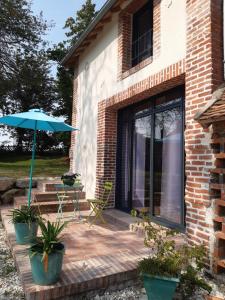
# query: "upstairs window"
142,45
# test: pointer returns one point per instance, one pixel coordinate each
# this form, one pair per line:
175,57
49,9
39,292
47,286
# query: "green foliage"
190,280
23,94
24,215
21,32
25,80
64,82
17,166
82,19
169,260
169,267
49,241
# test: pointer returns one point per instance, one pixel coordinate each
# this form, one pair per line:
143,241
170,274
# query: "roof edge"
217,94
105,8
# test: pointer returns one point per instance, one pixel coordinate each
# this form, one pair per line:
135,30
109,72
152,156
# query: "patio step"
52,196
122,219
48,186
52,206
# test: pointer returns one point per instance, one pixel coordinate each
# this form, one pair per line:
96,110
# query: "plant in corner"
69,178
46,256
169,265
25,222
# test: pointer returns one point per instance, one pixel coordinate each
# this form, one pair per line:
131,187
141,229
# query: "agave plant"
49,241
24,215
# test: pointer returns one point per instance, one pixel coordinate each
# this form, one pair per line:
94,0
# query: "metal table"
64,198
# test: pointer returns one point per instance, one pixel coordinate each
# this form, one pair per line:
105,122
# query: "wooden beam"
97,29
116,9
206,123
85,44
91,37
106,20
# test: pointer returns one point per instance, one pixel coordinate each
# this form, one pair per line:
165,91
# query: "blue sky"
58,11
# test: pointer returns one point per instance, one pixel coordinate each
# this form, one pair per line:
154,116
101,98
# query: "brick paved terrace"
96,257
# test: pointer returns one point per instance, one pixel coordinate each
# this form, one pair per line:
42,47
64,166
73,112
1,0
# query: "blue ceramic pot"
51,276
25,233
160,288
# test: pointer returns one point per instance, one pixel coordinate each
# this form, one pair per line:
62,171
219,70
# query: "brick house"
144,74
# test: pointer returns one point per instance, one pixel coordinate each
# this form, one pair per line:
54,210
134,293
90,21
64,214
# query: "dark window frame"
153,110
144,40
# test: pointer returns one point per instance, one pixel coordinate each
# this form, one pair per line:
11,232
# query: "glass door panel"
168,165
123,163
141,163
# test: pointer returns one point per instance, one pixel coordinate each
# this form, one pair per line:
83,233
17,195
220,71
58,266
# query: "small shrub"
168,260
24,215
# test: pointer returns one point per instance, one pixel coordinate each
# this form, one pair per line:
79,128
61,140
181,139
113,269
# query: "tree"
82,19
25,80
76,26
30,87
20,32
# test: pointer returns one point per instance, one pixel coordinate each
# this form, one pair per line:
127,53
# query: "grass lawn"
18,165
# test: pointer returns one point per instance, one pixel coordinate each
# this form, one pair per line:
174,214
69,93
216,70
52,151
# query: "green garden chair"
98,205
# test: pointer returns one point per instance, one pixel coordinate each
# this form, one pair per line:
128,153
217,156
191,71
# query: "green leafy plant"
169,260
24,215
49,241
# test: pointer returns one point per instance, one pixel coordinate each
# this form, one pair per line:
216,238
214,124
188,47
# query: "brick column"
204,73
106,152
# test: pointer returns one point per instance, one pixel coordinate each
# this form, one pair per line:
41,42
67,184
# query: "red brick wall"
125,38
203,73
107,118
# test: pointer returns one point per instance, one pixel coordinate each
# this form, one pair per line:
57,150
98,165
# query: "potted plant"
46,256
69,178
25,222
169,266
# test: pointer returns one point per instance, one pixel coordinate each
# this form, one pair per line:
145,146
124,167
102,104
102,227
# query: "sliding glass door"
168,165
141,162
150,158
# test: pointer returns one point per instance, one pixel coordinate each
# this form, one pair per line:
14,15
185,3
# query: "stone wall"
11,187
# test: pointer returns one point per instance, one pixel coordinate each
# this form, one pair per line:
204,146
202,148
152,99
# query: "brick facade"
201,72
107,118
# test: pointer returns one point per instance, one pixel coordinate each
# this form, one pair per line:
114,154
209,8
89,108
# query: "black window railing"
142,47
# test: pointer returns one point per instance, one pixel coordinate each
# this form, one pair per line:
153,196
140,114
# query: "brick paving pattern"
96,257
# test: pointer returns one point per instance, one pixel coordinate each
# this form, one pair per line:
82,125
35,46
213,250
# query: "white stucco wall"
97,79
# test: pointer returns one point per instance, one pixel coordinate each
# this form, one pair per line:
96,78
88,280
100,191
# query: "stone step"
52,196
48,186
121,218
52,206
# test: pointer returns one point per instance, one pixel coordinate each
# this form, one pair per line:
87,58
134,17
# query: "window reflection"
168,165
141,163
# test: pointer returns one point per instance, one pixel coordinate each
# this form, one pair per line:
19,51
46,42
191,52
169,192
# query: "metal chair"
98,205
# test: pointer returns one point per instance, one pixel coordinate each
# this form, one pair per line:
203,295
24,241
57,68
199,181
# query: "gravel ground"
11,289
10,286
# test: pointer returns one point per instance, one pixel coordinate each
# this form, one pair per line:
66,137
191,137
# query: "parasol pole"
32,163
